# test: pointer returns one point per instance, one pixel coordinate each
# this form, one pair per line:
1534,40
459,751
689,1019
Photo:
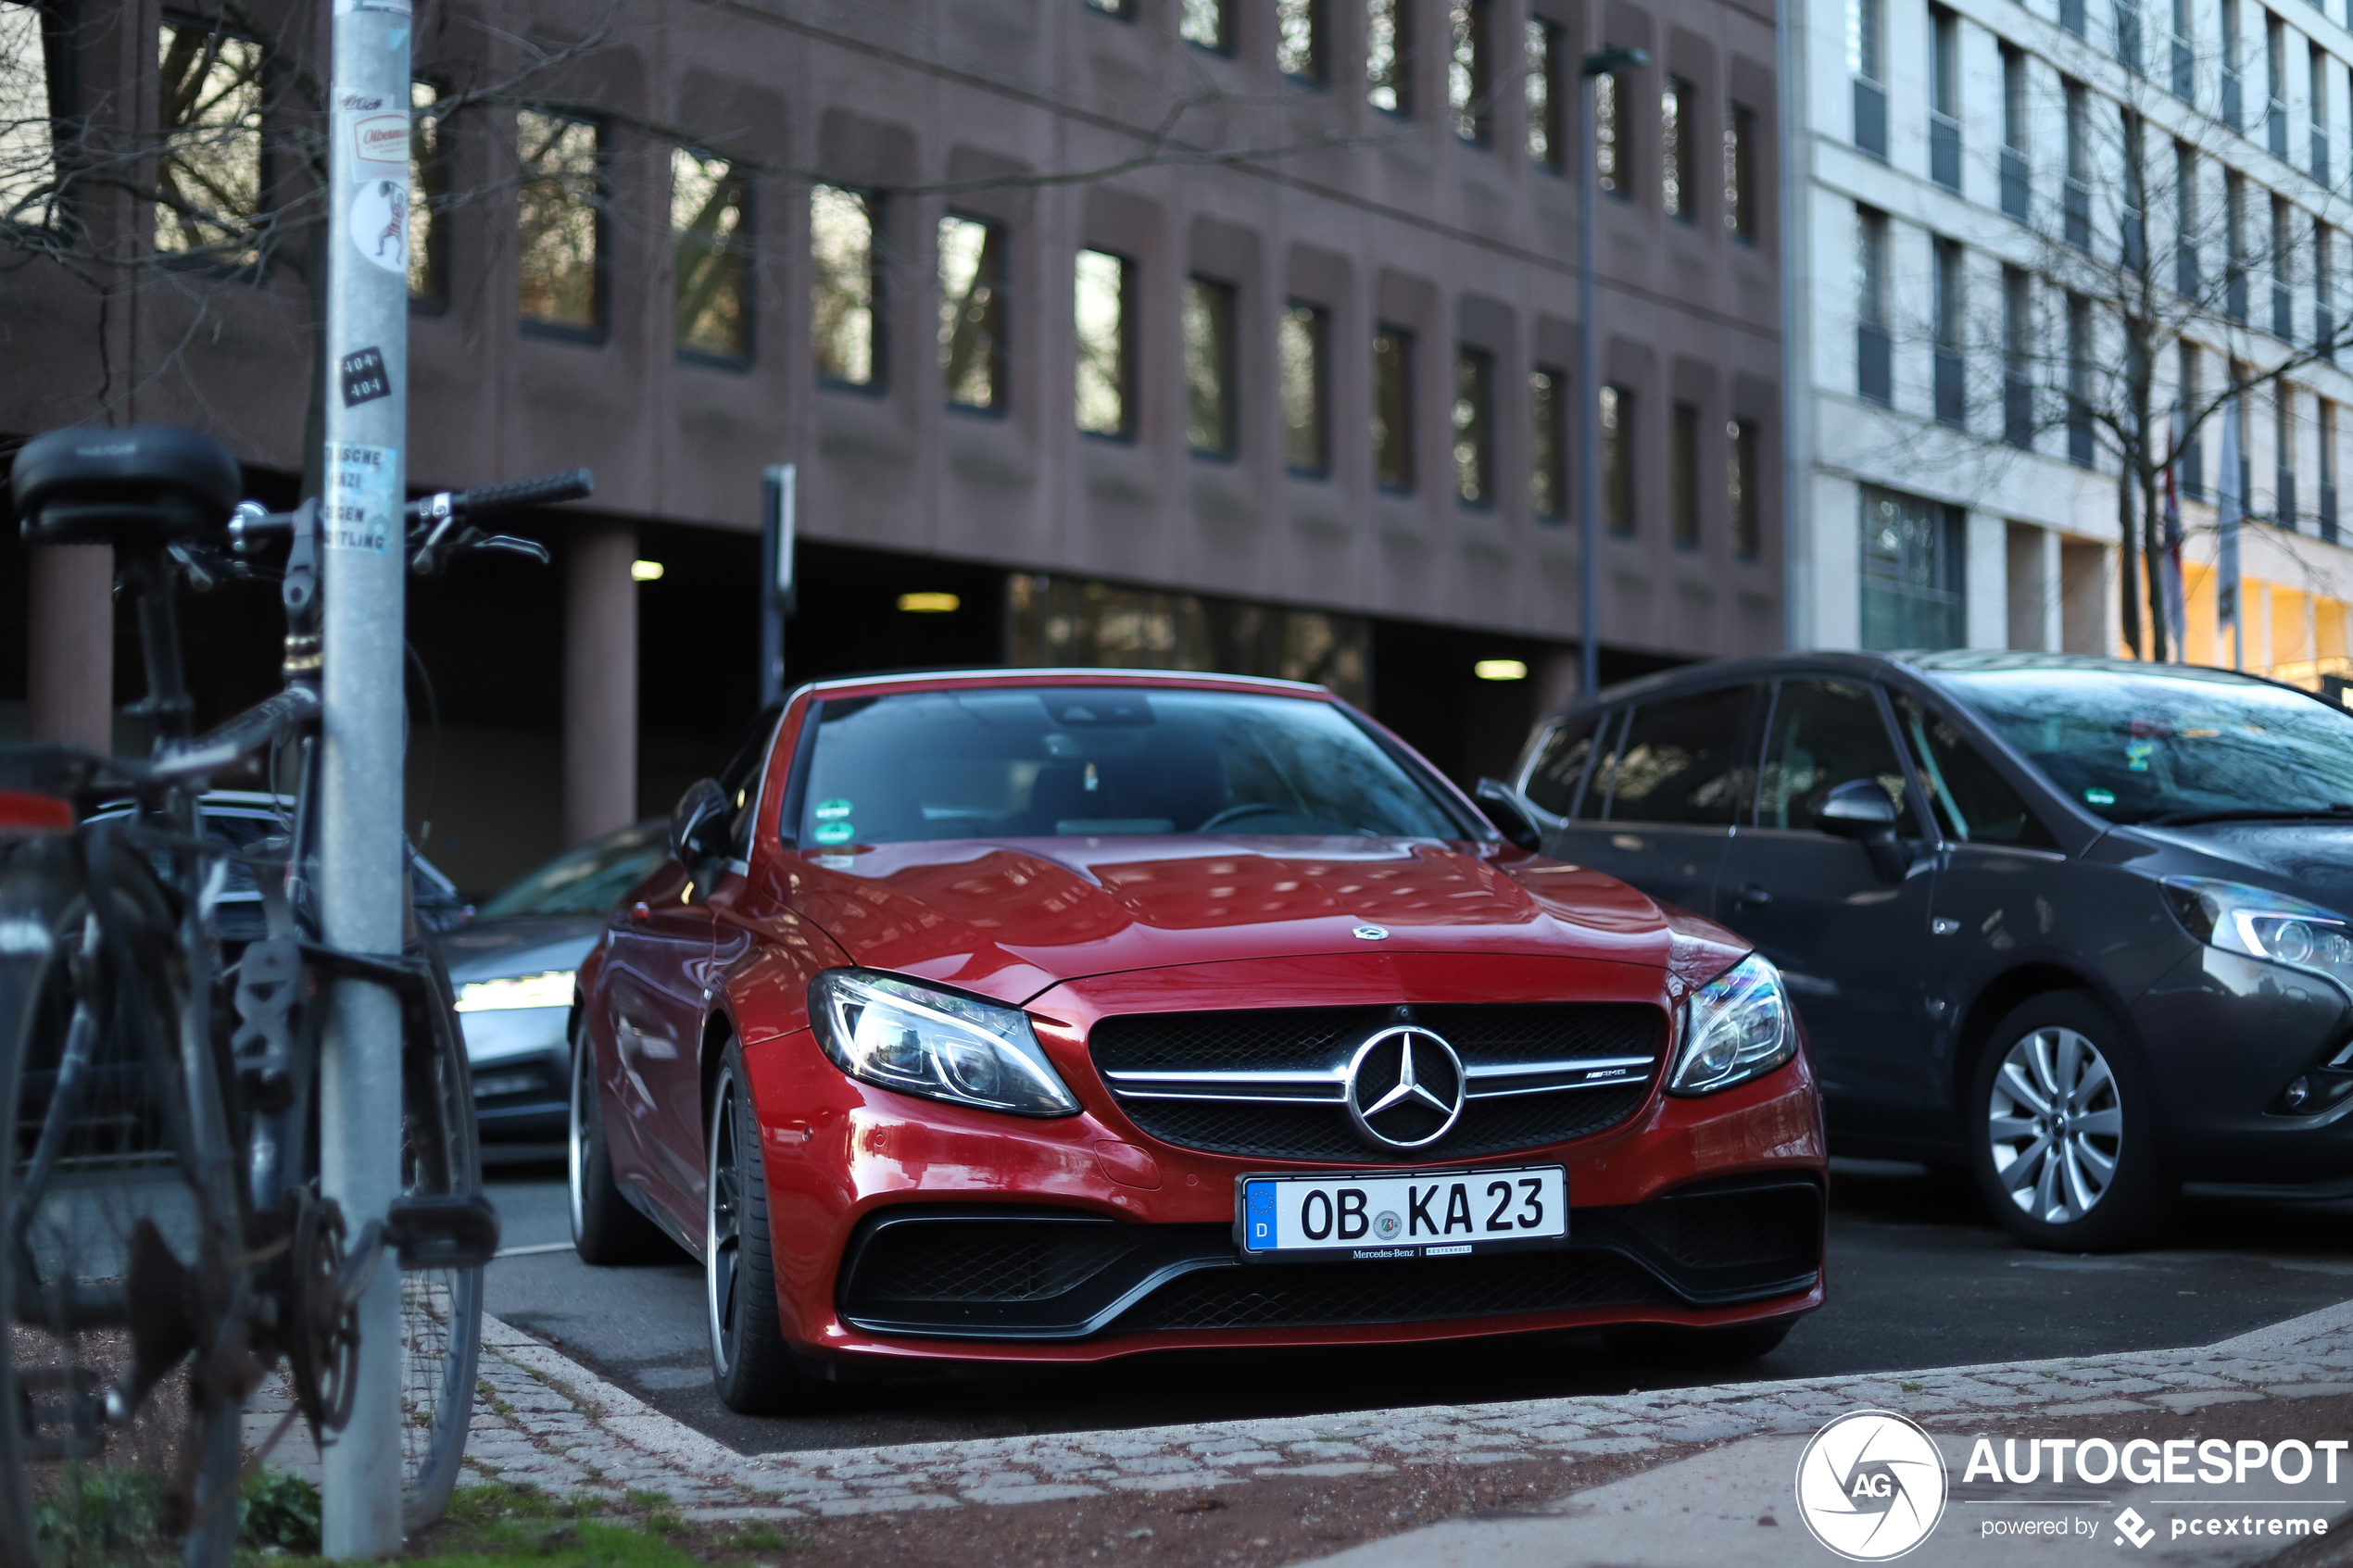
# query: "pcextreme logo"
1871,1485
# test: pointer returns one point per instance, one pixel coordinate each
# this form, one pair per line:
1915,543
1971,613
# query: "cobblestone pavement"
545,1419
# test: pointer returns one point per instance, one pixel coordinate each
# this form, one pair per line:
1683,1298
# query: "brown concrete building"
1235,336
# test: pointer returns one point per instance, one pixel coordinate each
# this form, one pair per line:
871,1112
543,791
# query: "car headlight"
549,989
2263,924
919,1040
1735,1027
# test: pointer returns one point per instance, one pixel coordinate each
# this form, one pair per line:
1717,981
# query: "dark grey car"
2079,924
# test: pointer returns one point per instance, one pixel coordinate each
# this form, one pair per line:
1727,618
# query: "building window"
209,173
1207,24
2128,35
33,52
2079,450
2185,52
2232,112
2017,362
1394,408
1548,444
1744,486
1683,468
1209,367
1950,301
2134,213
1106,371
2328,470
1609,139
709,231
2275,83
2186,272
2283,455
1679,151
1616,405
2282,270
428,194
2234,245
1548,98
1911,572
2076,199
845,287
2316,100
1469,75
2016,188
559,223
1389,54
971,312
1475,427
1301,335
2191,464
1872,346
1866,64
1945,98
2323,290
1299,39
1740,210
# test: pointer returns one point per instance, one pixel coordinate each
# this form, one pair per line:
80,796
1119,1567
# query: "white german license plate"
1377,1216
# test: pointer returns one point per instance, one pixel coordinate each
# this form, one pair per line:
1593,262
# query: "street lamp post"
1601,62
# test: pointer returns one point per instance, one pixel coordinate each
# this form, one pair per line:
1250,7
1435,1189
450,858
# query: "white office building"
1979,187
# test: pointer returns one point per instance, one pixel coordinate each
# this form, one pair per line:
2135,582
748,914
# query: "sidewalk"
1536,1480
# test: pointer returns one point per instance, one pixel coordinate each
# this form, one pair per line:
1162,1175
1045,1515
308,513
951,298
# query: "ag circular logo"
1871,1485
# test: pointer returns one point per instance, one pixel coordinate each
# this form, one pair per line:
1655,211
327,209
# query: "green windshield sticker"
2099,797
830,810
835,833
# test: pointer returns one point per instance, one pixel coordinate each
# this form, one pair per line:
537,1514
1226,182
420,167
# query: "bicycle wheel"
440,1309
121,1388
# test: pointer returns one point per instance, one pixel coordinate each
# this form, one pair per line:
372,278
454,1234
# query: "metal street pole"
777,504
1602,62
362,857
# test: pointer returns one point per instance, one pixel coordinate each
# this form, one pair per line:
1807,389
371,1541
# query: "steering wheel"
1247,810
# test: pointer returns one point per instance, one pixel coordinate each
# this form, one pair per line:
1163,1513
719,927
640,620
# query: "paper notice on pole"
363,496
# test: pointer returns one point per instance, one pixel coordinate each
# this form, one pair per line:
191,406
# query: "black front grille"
992,1260
1318,1039
1421,1290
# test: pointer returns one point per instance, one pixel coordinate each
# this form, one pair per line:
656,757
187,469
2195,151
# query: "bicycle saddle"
150,484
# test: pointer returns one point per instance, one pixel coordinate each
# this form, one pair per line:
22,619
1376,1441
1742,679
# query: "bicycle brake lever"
514,546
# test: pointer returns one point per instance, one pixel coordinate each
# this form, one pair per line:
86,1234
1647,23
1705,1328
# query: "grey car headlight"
919,1040
549,989
2263,924
1735,1027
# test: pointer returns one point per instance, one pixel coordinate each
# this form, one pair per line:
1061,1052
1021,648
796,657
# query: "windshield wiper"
2334,810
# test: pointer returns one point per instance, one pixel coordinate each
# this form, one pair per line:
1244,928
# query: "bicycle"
163,1243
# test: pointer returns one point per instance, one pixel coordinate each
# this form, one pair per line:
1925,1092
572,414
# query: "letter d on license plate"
1382,1216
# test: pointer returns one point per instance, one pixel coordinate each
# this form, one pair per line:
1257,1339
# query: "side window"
1687,759
1826,733
1974,803
1559,770
1595,800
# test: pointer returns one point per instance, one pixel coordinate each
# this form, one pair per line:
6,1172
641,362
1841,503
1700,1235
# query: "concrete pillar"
1986,598
71,678
601,683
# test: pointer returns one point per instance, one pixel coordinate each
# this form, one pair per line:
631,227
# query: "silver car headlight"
1735,1027
549,989
2263,924
919,1040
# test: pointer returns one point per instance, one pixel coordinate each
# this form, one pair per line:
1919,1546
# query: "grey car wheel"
2054,1125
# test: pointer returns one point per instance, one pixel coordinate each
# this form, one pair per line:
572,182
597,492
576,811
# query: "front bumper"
906,1230
521,1071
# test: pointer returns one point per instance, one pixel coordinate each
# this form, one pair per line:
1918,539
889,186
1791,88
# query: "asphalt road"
1920,1277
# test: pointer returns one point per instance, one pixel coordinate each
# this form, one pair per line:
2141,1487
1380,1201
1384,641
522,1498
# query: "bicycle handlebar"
483,499
434,531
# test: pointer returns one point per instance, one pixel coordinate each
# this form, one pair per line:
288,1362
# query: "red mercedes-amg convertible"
1061,1015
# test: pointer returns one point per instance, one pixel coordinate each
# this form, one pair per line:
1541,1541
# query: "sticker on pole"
379,223
363,496
389,8
381,138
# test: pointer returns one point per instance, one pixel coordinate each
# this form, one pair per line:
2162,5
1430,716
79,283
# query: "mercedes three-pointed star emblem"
1404,1087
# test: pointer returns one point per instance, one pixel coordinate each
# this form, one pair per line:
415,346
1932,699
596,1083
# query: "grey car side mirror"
1502,806
1857,809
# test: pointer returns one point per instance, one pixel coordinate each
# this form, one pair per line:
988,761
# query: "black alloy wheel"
751,1367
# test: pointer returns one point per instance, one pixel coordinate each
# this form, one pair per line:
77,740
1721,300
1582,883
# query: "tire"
138,1126
752,1368
1735,1346
605,1229
440,1309
2099,1186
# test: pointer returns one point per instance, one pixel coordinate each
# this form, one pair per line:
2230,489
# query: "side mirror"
1502,806
698,823
1857,809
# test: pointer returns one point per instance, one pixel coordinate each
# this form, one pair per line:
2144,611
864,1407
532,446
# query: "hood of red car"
1009,918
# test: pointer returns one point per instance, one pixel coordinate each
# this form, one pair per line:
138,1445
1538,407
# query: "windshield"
586,881
2133,747
1062,761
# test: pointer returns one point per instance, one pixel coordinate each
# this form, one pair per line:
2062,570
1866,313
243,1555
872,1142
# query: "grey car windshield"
1064,761
2135,748
585,881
